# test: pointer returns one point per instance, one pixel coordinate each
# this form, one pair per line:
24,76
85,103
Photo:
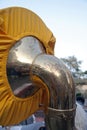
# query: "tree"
85,72
73,65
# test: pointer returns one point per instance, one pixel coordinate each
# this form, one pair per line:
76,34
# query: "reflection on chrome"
20,59
28,56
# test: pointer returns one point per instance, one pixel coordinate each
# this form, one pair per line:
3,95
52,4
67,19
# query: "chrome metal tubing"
29,55
62,91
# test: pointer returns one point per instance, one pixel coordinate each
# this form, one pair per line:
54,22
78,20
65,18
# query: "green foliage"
73,65
85,72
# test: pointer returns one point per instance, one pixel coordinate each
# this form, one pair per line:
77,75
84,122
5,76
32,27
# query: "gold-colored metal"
60,119
58,79
27,58
16,23
19,62
62,91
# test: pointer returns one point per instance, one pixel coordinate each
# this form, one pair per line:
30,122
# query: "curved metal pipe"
52,71
57,77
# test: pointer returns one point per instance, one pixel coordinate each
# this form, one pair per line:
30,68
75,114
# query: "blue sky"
66,19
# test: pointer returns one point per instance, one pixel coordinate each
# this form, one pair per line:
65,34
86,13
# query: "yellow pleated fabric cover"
15,23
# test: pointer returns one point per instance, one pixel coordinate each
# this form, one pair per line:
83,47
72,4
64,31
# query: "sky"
67,19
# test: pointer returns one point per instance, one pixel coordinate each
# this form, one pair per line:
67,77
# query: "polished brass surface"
26,58
60,119
62,91
19,62
58,79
